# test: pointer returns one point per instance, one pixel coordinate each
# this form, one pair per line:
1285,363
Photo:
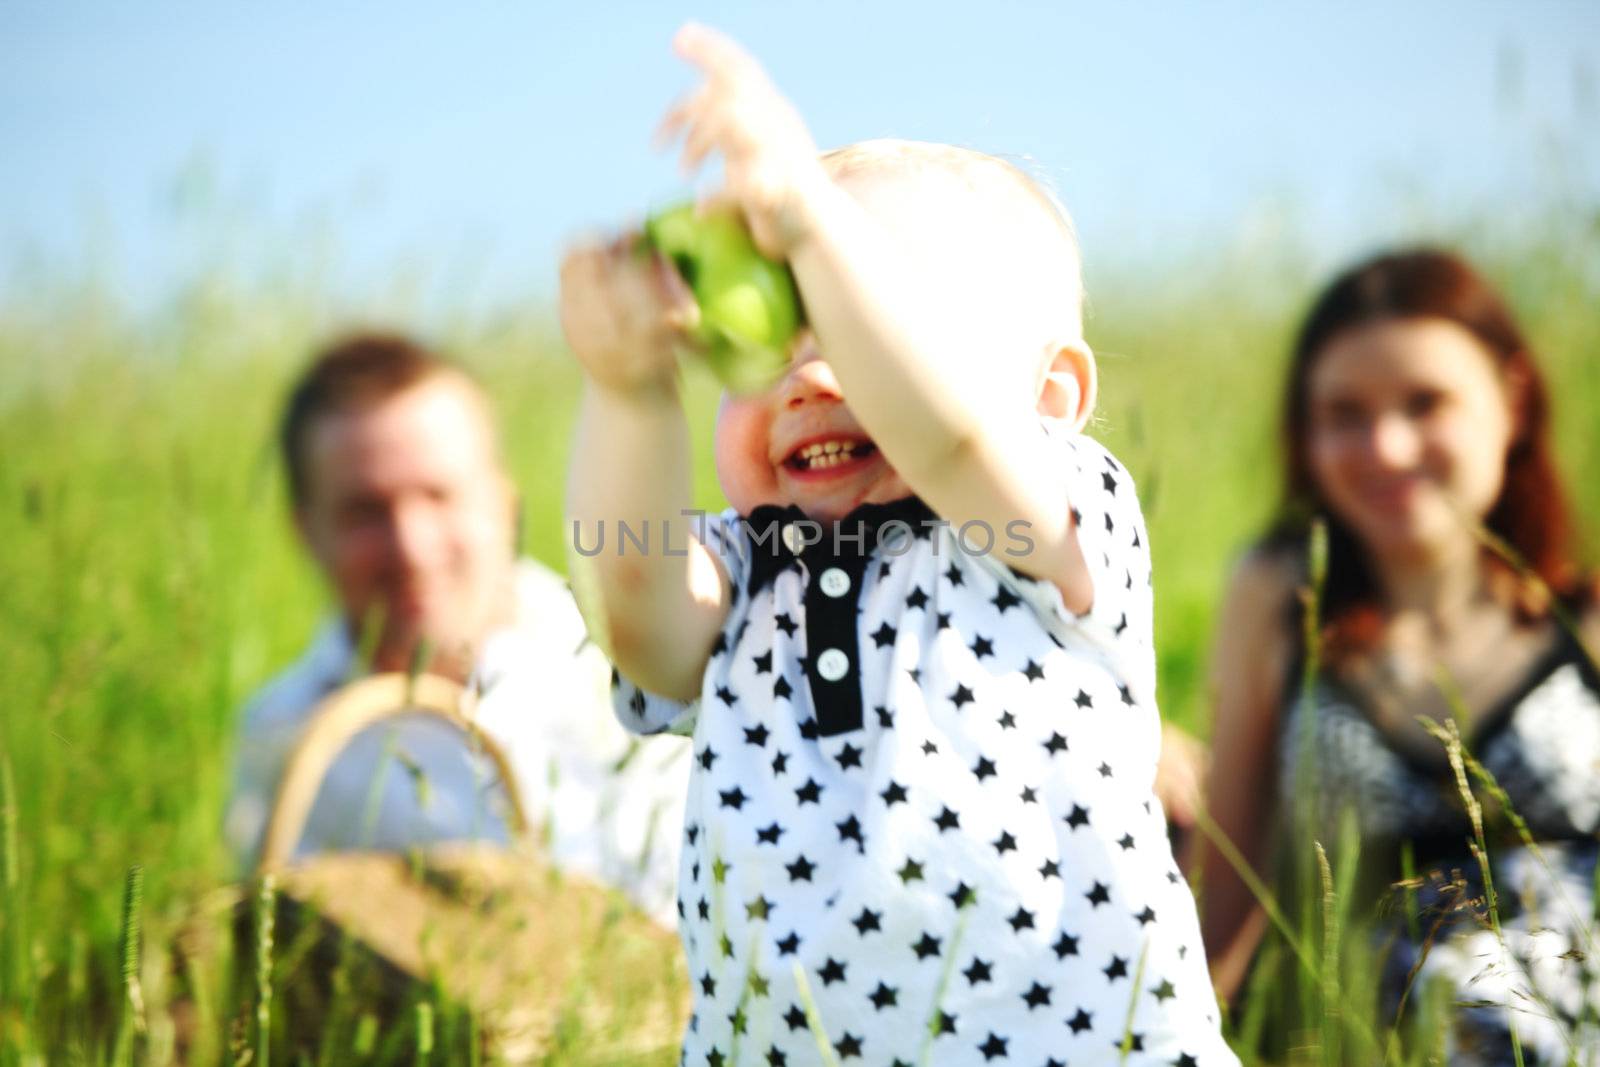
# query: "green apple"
749,307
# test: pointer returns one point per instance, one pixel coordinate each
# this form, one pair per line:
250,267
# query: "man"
399,494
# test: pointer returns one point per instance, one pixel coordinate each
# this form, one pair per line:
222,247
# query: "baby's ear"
1068,385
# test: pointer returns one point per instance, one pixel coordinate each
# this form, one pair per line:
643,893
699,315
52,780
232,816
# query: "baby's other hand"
624,312
770,161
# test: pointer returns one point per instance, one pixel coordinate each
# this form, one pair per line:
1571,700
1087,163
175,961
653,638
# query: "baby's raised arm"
655,614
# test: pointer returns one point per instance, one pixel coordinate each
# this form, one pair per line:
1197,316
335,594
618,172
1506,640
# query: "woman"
1415,424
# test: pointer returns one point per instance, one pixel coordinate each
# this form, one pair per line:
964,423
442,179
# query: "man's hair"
353,372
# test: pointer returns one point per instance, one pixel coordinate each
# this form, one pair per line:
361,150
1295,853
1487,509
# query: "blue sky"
465,143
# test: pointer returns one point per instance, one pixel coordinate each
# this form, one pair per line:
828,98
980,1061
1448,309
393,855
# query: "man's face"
411,518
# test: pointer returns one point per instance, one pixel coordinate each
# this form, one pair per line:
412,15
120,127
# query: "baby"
915,654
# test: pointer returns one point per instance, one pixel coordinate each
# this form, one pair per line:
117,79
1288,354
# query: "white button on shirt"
980,862
610,806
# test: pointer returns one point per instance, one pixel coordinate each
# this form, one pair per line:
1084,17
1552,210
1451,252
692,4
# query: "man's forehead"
437,429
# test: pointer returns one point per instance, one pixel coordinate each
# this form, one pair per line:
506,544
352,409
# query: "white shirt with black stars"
937,826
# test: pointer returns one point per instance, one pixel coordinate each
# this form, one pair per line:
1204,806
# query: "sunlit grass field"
148,581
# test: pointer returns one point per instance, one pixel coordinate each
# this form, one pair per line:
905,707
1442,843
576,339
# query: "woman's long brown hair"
1531,516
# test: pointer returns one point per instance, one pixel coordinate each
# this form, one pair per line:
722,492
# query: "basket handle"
345,713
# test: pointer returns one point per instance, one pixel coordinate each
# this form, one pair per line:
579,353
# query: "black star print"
719,870
756,735
1037,997
691,833
1105,770
1005,598
708,985
1185,1060
809,730
1050,869
1146,916
915,674
1117,968
1081,1021
1029,795
1022,920
801,868
786,624
789,945
781,688
636,702
1083,700
917,600
1007,721
883,635
947,820
708,757
795,1018
849,756
1099,895
984,768
1033,672
954,575
727,947
1126,841
1135,1042
725,695
832,971
780,763
714,1059
929,748
848,1046
977,972
1126,694
739,1022
850,830
944,1024
962,895
942,620
1122,625
981,646
1005,843
896,793
1057,743
867,921
758,985
1066,945
764,663
928,946
885,996
733,798
1079,816
885,720
775,1058
1110,527
704,908
810,792
1109,482
961,696
721,646
758,908
911,872
1164,991
994,1046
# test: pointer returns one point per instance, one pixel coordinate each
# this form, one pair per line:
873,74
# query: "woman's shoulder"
1266,578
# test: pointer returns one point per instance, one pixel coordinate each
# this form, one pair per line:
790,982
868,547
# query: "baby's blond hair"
1035,224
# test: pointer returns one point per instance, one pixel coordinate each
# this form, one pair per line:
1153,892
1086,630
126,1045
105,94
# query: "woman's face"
1409,423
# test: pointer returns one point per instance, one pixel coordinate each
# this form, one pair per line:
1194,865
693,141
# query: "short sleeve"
1111,534
643,712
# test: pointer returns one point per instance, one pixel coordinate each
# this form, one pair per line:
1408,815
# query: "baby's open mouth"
820,455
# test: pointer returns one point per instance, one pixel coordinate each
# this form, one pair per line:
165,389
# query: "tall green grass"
149,581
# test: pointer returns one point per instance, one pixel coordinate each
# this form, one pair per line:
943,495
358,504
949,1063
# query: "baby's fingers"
716,54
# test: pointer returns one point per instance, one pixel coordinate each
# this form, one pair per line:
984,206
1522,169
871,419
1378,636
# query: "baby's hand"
770,161
624,312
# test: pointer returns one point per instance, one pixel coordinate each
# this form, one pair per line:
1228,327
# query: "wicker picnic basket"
545,964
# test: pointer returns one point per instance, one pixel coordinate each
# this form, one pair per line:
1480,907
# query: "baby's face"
797,442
